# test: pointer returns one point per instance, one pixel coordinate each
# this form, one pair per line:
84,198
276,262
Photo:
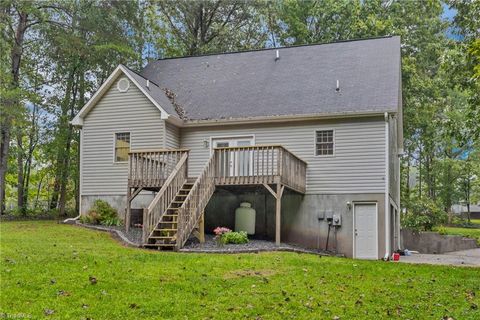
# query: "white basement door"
365,231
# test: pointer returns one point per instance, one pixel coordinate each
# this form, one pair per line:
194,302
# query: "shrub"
442,230
102,213
423,215
235,237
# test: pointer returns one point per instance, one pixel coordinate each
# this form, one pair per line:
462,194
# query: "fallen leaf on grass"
48,312
63,293
92,279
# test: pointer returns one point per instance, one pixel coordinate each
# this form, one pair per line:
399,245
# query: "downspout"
80,177
387,187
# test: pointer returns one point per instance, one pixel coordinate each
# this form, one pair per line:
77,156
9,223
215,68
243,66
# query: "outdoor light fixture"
205,143
349,205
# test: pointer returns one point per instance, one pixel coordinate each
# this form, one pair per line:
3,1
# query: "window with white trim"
122,146
324,142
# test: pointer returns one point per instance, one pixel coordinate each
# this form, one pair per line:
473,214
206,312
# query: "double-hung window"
122,146
324,142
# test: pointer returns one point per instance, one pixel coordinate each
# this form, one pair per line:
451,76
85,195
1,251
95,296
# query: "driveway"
469,257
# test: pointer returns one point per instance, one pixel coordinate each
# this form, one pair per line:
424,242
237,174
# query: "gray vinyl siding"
117,111
358,165
394,169
172,136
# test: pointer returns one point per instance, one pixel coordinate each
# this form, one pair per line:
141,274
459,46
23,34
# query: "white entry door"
235,163
365,239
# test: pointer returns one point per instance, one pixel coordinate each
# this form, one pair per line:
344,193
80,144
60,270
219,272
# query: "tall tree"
85,53
194,27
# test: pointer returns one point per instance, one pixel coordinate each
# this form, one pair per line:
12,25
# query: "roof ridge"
275,48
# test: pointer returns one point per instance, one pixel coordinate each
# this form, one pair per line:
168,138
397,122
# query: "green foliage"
441,230
102,213
235,237
473,233
423,215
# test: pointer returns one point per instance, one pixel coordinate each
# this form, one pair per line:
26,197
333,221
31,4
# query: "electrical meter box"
337,220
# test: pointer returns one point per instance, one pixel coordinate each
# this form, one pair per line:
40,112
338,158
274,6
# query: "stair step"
159,245
170,215
168,222
177,202
161,237
165,230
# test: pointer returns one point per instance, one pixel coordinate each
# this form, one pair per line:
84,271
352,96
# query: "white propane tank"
245,218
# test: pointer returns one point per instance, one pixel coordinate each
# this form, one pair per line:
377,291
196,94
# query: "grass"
47,271
466,232
476,221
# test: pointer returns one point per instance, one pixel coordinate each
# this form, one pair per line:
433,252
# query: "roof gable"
155,94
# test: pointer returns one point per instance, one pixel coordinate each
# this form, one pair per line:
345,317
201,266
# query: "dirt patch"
235,274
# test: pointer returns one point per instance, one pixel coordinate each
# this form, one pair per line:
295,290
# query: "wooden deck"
182,207
261,164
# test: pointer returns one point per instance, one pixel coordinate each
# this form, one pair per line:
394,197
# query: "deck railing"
259,164
159,205
150,168
195,203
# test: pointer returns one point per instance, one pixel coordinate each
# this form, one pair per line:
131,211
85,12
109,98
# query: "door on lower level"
365,231
235,163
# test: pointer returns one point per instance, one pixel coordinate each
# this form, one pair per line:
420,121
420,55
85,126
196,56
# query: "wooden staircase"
177,211
164,236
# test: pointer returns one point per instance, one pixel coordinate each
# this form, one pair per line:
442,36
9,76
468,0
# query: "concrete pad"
470,258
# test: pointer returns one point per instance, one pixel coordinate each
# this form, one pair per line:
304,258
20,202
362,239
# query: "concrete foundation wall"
300,224
432,242
118,202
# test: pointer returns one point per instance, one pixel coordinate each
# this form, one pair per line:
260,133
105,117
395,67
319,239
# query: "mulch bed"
253,246
134,239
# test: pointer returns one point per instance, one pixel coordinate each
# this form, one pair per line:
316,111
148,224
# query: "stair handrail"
197,199
157,208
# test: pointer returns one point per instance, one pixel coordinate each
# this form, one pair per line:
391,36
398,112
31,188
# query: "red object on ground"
396,256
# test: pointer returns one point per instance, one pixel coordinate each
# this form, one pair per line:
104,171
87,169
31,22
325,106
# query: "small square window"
324,143
122,146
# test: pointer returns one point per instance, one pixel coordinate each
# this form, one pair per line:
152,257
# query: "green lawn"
47,268
466,232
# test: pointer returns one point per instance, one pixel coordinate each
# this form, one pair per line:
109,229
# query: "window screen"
324,143
122,146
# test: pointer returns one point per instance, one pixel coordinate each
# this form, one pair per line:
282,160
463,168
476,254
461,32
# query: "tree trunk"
65,163
20,176
9,104
62,135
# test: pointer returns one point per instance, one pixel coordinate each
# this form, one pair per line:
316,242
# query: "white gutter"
279,118
387,187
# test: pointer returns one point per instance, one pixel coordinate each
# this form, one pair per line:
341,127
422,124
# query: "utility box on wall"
336,220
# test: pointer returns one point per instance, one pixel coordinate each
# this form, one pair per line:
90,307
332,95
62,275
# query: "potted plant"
219,232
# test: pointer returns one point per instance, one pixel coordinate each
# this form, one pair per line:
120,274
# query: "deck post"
127,209
201,227
278,213
199,231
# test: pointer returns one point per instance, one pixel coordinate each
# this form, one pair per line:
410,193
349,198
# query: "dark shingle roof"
157,93
302,81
